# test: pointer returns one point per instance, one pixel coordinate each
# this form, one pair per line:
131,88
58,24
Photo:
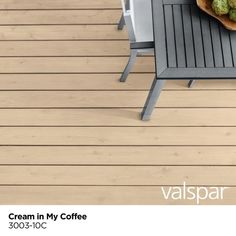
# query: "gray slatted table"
188,45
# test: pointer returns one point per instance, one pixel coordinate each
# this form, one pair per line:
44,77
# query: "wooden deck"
70,132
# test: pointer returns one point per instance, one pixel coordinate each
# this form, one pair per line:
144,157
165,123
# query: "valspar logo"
193,193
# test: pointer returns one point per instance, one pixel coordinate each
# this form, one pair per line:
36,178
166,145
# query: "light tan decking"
70,132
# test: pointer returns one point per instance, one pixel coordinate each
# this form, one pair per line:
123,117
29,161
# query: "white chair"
137,16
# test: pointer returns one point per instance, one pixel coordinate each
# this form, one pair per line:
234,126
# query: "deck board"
59,4
68,127
64,48
115,99
58,17
72,64
136,82
117,175
99,195
100,136
122,155
61,32
118,117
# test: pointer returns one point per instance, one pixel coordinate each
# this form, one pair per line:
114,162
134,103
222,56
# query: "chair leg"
152,98
121,23
122,19
133,55
191,83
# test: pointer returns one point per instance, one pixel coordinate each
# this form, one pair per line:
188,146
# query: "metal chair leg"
191,83
133,55
122,19
121,23
152,98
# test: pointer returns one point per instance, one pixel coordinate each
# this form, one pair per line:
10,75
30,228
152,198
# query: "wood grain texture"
42,17
122,155
118,117
62,32
109,81
73,65
86,195
102,136
59,4
117,175
114,99
64,48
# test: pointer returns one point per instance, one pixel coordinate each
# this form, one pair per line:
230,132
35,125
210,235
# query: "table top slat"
226,47
188,36
207,41
170,36
179,36
233,46
197,37
217,47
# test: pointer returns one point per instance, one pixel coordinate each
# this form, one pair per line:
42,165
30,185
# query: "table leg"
191,83
152,98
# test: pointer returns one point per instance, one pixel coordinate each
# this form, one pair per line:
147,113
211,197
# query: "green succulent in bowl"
220,7
232,15
232,3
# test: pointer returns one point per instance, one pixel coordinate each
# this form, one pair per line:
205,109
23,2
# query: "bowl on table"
205,5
